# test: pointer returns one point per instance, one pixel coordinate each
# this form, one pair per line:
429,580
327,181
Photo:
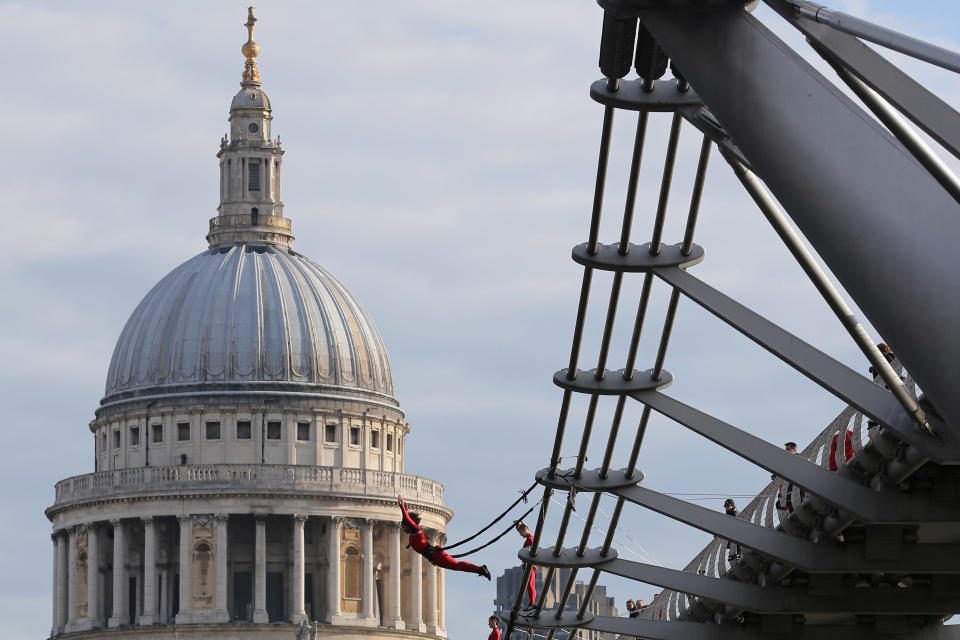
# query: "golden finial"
250,49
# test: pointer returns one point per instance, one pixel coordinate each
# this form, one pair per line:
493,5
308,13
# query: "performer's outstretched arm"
406,516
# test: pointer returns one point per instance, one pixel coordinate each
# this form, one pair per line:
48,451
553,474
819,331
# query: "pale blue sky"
440,161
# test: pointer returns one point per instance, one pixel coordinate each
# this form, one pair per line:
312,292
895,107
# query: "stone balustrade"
247,477
244,220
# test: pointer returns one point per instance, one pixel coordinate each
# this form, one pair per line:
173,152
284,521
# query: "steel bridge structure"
872,548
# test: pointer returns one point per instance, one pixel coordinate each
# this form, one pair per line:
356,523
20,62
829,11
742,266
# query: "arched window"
254,216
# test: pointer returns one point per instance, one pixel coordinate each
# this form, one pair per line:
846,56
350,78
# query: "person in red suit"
524,532
494,628
847,449
437,556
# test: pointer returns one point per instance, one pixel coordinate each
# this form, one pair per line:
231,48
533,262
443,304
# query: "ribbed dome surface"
249,315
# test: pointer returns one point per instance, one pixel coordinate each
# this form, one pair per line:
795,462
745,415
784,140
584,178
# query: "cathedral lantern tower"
250,161
248,450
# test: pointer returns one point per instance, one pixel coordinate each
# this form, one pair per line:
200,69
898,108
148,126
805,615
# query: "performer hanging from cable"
437,556
524,531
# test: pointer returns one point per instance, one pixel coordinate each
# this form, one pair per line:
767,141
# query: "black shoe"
485,572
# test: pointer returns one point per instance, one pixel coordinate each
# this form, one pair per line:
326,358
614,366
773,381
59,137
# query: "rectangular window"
375,439
273,430
116,439
157,432
303,431
330,433
134,436
243,430
253,175
183,431
103,441
355,436
389,442
213,430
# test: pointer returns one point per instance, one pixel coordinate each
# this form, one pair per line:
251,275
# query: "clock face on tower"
253,128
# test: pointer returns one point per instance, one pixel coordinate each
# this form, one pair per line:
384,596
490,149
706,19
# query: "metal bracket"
631,96
568,557
638,258
611,385
589,480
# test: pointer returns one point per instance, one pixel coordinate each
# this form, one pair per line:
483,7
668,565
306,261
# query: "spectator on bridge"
639,607
784,498
847,449
888,354
494,625
632,609
731,510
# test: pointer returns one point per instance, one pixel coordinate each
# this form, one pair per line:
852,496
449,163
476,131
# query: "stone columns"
119,574
71,578
93,577
297,612
431,599
183,615
221,614
59,583
393,619
415,623
441,603
369,593
260,572
149,615
333,572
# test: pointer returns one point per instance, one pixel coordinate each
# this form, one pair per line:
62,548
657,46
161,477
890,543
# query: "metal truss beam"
863,502
825,557
773,599
785,630
829,373
842,178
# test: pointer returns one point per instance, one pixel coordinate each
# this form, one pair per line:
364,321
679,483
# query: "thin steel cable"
638,325
509,528
601,179
585,439
522,498
697,196
612,438
638,140
665,183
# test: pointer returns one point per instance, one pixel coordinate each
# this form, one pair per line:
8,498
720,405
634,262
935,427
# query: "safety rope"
522,498
503,533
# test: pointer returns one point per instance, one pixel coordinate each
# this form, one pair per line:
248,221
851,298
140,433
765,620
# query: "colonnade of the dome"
251,567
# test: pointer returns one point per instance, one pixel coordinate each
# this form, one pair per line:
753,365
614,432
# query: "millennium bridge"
858,534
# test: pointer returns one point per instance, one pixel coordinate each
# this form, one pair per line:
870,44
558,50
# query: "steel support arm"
889,507
773,599
678,630
832,375
882,224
